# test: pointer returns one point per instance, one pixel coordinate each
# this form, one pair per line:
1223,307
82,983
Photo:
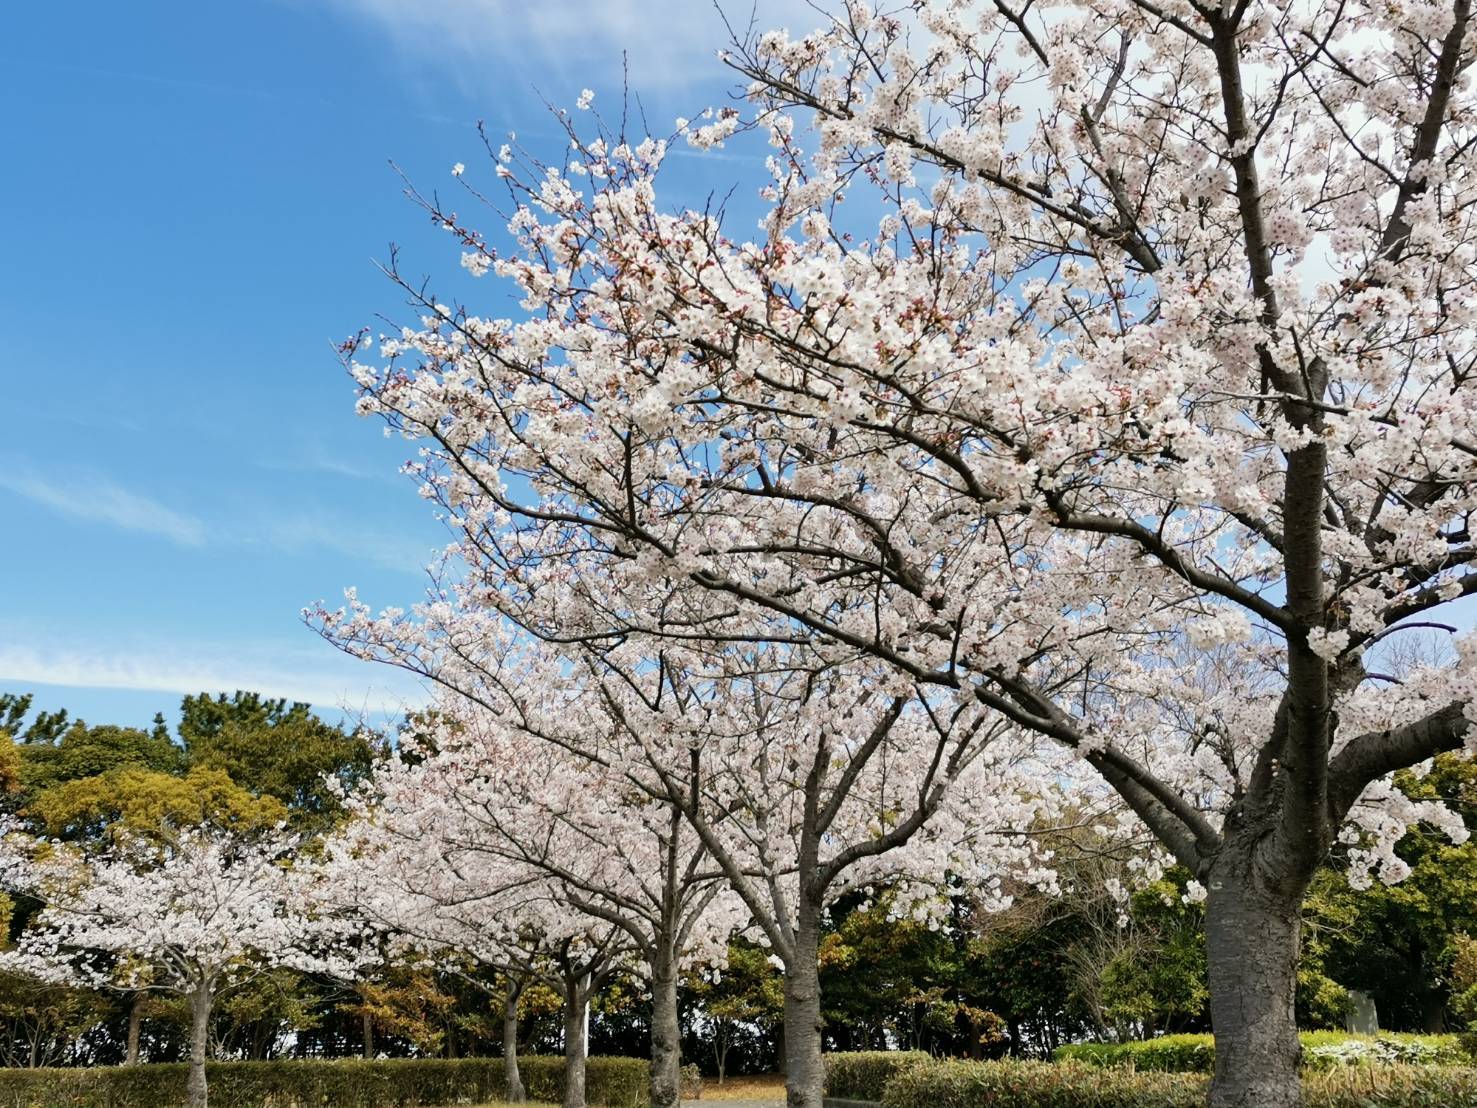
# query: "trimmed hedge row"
1073,1085
393,1083
864,1074
1321,1050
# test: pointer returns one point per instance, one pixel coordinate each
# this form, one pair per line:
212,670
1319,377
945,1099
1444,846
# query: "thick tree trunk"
805,1077
1251,944
512,1080
666,1033
574,1052
366,1026
135,1026
200,999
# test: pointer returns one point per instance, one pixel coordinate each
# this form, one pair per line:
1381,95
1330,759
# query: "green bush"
1393,1087
1168,1054
1322,1050
1039,1085
1074,1085
398,1083
863,1074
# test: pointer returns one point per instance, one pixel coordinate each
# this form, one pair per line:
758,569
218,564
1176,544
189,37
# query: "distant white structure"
1363,1017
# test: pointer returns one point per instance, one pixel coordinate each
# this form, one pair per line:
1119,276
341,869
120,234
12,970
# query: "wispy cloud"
315,459
103,502
303,533
554,43
321,678
100,500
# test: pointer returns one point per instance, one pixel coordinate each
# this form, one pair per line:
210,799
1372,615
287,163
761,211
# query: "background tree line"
1111,956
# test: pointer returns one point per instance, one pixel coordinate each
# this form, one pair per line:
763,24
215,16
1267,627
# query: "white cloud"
322,678
98,500
101,501
554,43
302,533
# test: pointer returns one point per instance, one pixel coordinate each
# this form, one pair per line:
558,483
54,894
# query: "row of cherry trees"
552,827
533,836
1114,459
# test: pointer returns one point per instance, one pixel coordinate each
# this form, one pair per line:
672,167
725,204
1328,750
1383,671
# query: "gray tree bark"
1251,942
513,1089
200,1001
666,1032
135,1025
805,1075
575,1049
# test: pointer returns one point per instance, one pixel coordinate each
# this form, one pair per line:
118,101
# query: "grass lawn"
768,1086
762,1086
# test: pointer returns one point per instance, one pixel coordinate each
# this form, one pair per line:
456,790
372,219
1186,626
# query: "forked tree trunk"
666,1033
574,1052
512,1080
805,1075
1251,945
135,1025
196,1095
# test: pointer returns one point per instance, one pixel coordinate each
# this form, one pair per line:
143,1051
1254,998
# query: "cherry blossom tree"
425,896
797,785
1159,350
193,913
480,840
606,848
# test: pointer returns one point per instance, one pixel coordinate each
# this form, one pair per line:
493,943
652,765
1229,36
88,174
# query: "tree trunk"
135,1025
666,1033
574,1051
366,1026
1251,945
805,1076
513,1089
1433,1014
200,1000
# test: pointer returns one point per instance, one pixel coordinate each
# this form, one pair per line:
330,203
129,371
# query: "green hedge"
1073,1085
1039,1085
1321,1050
396,1083
863,1074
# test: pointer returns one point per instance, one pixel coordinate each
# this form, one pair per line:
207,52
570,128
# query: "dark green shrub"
1321,1050
863,1074
1074,1085
1467,1043
398,1083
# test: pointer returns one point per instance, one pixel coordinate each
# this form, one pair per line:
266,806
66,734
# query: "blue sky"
193,194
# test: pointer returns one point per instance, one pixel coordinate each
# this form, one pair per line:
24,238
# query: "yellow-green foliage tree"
140,801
